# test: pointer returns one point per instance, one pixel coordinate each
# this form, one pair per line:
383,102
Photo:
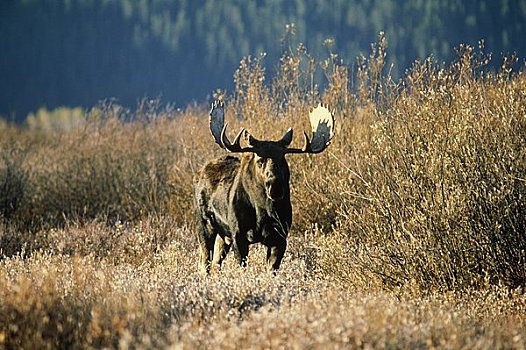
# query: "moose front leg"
241,248
275,252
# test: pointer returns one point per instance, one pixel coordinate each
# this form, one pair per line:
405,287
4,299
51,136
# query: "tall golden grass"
409,230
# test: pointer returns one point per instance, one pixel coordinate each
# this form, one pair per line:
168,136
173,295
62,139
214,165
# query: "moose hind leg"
221,249
206,245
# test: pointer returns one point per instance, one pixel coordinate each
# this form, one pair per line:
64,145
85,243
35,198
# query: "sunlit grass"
57,300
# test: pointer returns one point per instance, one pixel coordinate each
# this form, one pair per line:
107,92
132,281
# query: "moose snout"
274,191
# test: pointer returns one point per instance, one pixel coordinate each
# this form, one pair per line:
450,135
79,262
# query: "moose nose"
274,192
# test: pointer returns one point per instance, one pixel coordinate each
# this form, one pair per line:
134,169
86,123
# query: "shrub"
423,184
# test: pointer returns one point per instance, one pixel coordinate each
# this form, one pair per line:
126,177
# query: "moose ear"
252,141
287,138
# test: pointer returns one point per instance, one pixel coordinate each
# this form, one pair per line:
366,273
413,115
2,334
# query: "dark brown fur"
240,201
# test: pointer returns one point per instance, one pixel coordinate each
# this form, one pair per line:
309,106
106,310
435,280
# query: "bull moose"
244,200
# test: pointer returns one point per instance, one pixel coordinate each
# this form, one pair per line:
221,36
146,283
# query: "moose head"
269,156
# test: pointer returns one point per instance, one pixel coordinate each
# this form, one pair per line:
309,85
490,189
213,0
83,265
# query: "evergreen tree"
77,52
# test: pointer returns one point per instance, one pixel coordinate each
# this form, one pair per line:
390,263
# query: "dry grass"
149,296
408,231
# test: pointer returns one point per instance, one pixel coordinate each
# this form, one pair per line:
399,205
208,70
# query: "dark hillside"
77,52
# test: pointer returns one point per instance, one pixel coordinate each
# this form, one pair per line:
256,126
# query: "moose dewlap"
244,200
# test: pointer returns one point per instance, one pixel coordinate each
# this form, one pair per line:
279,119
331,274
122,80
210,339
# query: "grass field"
409,230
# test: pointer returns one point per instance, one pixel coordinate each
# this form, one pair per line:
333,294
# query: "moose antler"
217,121
321,120
218,129
322,123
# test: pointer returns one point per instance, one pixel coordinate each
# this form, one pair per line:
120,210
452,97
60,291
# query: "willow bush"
423,184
